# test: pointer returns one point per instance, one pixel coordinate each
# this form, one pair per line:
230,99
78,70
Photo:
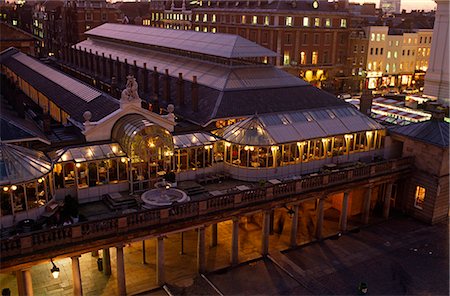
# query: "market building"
153,107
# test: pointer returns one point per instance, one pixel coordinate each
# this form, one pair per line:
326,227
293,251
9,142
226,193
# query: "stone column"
319,224
387,201
76,276
20,283
106,262
235,242
27,282
201,252
214,235
121,284
366,205
344,212
294,227
160,280
265,232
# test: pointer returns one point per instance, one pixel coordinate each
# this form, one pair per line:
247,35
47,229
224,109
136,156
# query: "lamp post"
54,270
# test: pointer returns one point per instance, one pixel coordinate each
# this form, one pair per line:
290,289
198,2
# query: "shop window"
32,200
419,198
19,203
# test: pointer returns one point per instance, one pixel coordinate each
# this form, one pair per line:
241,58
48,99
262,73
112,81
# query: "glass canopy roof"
278,128
193,140
19,164
87,153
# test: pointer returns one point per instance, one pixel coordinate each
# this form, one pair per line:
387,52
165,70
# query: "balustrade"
48,238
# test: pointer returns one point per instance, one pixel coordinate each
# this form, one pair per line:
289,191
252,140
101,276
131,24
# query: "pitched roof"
213,44
432,132
72,96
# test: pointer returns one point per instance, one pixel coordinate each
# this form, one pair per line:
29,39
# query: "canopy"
19,164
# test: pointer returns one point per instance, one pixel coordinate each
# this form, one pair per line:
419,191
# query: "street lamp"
54,270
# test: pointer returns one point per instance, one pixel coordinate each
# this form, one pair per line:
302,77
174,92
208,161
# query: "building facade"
390,6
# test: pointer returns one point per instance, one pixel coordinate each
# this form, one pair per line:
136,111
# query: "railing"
52,239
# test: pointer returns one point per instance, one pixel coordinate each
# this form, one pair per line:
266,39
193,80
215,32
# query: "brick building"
11,36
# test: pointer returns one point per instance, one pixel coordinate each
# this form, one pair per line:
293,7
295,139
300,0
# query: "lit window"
343,23
302,58
205,29
387,67
396,43
420,197
197,28
286,58
205,18
213,30
389,54
266,21
14,22
383,37
197,17
213,18
317,22
243,19
327,22
395,54
378,37
305,21
372,37
315,57
254,20
289,21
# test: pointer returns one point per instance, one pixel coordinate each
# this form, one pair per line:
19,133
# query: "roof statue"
130,93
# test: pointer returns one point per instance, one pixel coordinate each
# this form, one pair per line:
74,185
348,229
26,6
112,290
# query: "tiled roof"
432,132
71,103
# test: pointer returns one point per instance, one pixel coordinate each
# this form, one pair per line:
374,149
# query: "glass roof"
250,131
213,75
139,137
19,164
193,140
77,88
275,128
86,153
215,44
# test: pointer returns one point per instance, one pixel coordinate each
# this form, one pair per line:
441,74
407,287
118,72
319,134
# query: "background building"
390,6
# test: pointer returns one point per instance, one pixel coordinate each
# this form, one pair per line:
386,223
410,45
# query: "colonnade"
24,276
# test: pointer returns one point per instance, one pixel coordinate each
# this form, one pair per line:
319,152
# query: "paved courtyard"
401,256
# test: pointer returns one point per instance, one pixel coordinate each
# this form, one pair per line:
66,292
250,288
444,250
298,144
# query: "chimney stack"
194,94
365,103
180,92
167,86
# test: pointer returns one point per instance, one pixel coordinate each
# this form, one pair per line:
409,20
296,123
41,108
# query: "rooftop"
72,96
432,132
220,45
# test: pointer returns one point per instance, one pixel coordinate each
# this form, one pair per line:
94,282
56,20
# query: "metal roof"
278,128
214,44
77,88
19,164
432,132
217,76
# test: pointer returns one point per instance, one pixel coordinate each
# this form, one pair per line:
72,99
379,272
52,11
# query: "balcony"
92,235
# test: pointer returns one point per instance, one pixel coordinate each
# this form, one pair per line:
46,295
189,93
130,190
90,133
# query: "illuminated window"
378,37
315,57
372,37
303,58
286,58
343,23
289,21
389,54
197,28
14,22
420,197
213,30
197,17
243,19
305,21
266,21
327,22
369,66
205,29
317,22
383,37
254,20
395,54
213,18
205,18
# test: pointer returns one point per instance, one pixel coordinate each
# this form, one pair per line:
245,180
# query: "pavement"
397,257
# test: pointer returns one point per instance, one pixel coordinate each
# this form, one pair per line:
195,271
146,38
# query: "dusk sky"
407,4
